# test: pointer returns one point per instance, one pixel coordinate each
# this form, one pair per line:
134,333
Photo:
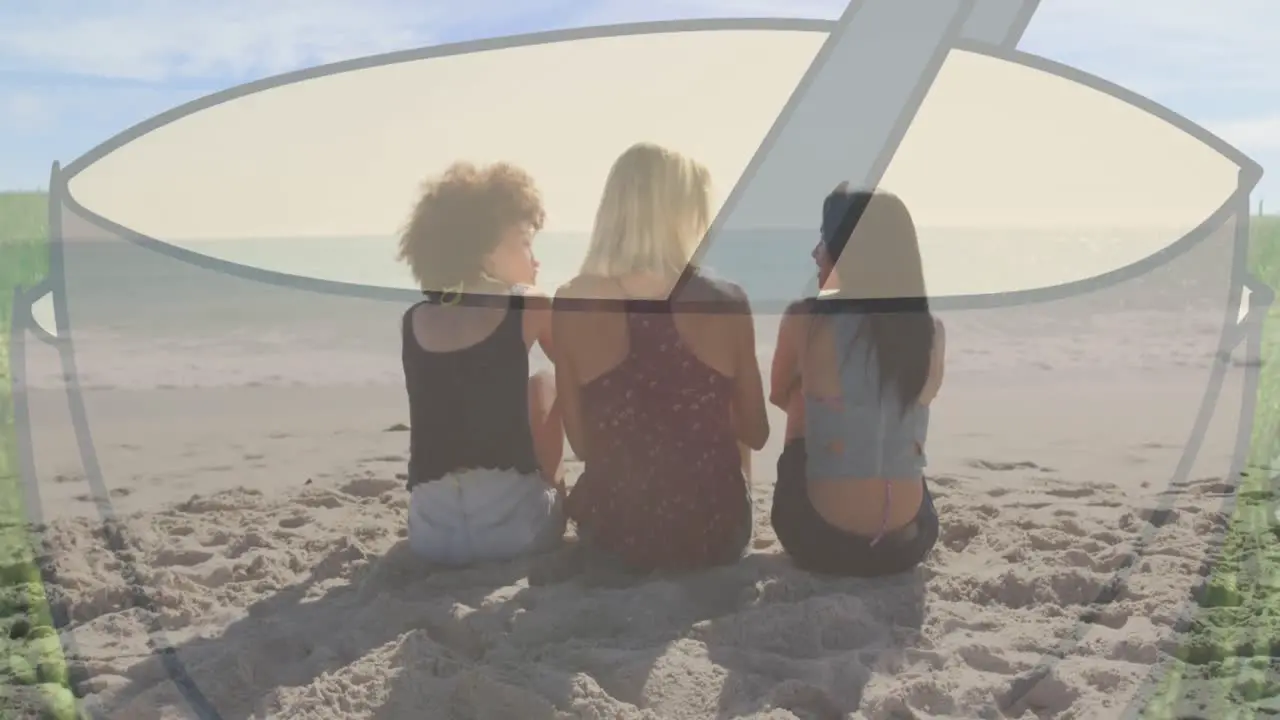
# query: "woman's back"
656,390
866,358
866,447
598,314
485,443
466,371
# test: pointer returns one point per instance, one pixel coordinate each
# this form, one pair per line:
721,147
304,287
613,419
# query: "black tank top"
469,408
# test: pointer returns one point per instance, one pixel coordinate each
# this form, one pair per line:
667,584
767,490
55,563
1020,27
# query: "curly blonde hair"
462,216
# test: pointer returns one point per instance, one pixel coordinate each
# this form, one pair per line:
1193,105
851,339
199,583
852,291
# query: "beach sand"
259,532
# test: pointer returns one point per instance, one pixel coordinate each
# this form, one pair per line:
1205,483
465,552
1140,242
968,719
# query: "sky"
75,73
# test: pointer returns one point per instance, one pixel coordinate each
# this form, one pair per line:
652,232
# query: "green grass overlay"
1227,667
33,671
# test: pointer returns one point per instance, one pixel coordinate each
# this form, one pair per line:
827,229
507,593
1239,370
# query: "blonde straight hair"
654,211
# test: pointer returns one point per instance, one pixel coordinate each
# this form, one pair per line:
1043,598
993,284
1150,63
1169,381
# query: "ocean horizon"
139,317
770,265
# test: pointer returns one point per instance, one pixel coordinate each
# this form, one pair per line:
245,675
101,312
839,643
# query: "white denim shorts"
484,515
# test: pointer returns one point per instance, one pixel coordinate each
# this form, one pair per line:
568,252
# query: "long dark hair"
871,240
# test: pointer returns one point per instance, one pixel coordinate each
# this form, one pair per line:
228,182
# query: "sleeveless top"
663,488
863,433
469,408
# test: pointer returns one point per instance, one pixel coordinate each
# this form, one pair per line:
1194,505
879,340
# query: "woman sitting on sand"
856,369
485,439
656,399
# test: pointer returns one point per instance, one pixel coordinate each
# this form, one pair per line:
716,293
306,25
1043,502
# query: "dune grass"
1228,664
33,671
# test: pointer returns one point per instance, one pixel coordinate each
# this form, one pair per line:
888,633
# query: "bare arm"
784,375
750,420
537,321
568,390
937,364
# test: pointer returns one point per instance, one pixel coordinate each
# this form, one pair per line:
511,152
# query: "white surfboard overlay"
42,314
997,148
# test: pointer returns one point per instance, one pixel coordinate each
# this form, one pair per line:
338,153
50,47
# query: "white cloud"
1155,47
24,111
1164,46
1257,134
1206,60
601,12
34,110
1217,63
158,40
1153,43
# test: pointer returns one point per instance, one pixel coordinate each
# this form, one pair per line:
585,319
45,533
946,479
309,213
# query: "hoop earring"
446,299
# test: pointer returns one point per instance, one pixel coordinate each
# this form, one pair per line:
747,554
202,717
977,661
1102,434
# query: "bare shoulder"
796,307
535,298
531,291
796,316
710,291
728,290
586,287
797,310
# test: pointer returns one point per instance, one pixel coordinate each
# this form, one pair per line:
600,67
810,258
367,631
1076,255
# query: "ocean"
769,265
141,317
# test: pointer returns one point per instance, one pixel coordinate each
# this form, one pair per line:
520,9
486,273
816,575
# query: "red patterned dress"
664,488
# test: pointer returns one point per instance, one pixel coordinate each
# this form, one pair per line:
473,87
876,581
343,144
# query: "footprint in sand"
237,500
1038,691
217,538
1078,491
1110,617
114,492
183,558
957,535
296,521
1158,517
326,499
805,700
250,541
216,469
1006,466
1212,486
369,487
983,659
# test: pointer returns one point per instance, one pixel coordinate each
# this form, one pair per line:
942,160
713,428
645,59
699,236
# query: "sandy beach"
259,533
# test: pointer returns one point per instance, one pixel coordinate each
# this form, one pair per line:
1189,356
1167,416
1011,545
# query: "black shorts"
817,546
